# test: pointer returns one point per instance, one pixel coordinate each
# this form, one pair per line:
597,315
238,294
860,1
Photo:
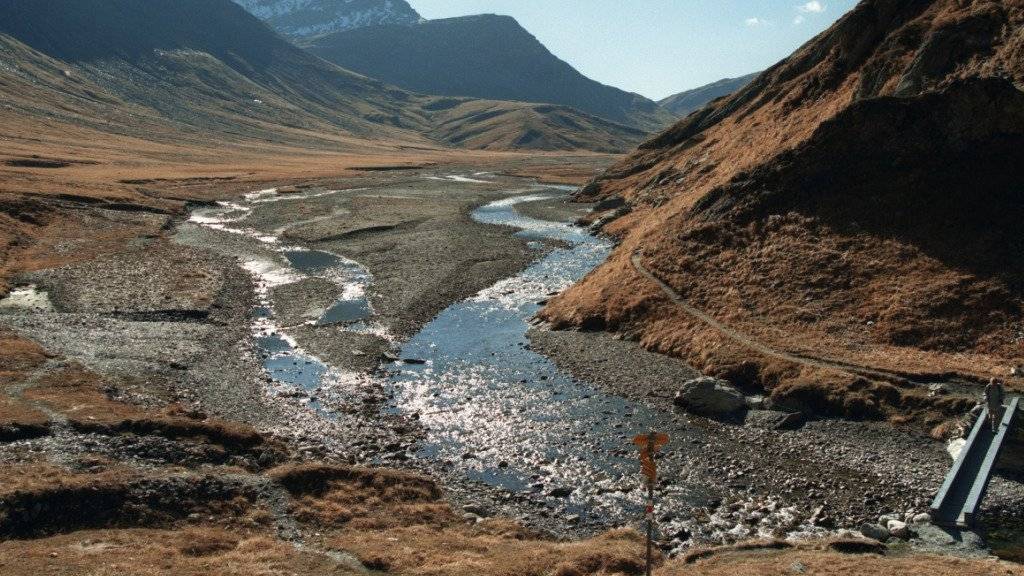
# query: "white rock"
898,529
923,518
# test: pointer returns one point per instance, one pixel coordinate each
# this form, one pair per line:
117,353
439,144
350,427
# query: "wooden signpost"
649,444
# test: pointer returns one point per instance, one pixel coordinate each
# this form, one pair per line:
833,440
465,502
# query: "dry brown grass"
18,420
79,395
199,551
41,476
832,226
818,558
334,496
142,552
493,548
392,521
399,522
18,358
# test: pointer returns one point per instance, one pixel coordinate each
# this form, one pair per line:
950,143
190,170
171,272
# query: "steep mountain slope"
209,66
683,103
206,64
851,216
308,18
483,56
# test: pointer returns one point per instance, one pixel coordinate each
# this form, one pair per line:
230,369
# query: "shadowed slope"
210,66
484,56
859,201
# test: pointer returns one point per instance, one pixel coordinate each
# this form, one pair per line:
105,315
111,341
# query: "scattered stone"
821,518
710,397
560,492
773,419
475,509
875,531
898,529
416,361
923,518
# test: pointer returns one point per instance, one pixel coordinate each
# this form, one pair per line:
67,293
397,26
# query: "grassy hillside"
856,207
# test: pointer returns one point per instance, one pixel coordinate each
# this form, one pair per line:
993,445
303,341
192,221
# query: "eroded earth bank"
346,376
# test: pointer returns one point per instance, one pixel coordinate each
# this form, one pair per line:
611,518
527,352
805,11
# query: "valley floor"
140,434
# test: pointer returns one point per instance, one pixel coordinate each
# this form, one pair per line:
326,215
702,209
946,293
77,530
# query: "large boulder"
710,397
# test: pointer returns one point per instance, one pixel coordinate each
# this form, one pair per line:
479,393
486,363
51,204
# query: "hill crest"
482,56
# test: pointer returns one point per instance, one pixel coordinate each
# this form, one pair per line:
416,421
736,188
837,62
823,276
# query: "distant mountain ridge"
308,18
684,103
210,69
483,56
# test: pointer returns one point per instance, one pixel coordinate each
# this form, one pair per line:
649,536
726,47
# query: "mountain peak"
308,18
481,56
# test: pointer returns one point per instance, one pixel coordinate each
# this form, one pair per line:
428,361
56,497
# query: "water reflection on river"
507,415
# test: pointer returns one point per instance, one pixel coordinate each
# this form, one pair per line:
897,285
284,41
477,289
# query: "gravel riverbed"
194,315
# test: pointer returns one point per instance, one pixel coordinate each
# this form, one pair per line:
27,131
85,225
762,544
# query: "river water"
493,411
505,414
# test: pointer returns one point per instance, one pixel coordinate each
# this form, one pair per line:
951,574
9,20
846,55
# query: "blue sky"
660,47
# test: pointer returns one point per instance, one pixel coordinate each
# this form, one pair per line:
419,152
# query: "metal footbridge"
959,500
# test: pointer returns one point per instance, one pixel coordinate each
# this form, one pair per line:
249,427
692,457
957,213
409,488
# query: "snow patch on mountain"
306,18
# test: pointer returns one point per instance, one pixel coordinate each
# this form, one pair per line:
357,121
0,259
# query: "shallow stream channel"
505,415
508,431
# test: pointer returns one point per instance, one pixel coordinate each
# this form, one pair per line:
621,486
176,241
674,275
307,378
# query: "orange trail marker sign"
649,444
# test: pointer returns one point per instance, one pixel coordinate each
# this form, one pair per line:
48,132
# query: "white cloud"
814,6
755,22
798,20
